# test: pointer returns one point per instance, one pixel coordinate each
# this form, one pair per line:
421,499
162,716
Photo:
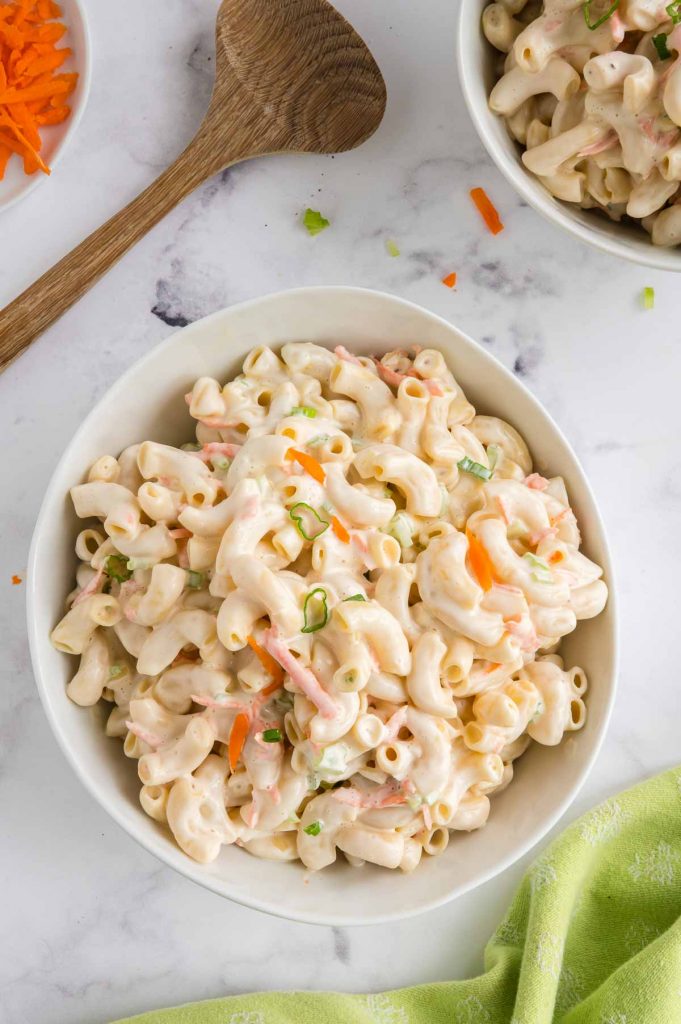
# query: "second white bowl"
476,59
147,403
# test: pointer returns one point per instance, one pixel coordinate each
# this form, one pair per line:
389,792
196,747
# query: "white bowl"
16,185
476,59
147,402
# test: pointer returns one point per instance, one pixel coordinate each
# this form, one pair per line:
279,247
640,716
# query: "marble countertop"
93,928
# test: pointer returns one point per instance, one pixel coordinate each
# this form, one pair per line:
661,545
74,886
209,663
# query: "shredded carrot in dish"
16,580
556,557
340,530
237,738
480,562
487,210
32,95
310,465
449,280
268,663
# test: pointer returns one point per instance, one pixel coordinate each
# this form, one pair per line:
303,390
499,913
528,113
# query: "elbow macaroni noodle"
331,624
592,92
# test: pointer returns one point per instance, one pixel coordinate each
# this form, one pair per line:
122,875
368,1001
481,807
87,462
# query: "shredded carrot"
487,210
32,96
480,562
450,280
268,663
556,557
310,465
237,738
340,530
16,580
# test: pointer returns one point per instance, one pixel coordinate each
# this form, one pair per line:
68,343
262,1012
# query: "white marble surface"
92,928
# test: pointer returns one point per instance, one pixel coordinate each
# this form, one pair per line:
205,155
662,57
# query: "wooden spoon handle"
52,294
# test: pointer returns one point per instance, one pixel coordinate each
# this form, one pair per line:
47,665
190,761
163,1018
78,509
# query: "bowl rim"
77,110
192,869
642,253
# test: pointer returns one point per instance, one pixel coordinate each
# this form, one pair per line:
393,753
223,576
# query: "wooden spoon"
291,76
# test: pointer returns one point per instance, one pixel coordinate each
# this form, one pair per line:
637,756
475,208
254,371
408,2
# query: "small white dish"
16,185
476,59
147,402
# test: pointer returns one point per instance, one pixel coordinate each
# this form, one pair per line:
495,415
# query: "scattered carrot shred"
480,562
309,464
556,557
340,530
16,580
487,210
268,663
237,738
32,96
450,280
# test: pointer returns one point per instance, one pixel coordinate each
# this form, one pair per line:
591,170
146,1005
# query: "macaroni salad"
592,91
332,623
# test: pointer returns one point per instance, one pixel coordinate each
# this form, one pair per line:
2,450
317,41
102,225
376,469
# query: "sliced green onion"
602,20
272,736
414,802
118,568
400,527
334,759
221,463
474,468
516,530
317,439
314,828
648,298
191,447
140,563
540,570
660,44
303,410
116,671
392,248
355,597
314,222
539,710
493,453
315,611
313,519
195,580
674,11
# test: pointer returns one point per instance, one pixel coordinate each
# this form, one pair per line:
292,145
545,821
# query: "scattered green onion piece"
140,563
355,597
191,447
660,44
315,611
592,26
221,463
414,802
116,671
272,735
303,410
314,222
540,570
475,468
118,568
195,580
648,298
539,710
392,248
674,11
297,518
493,453
516,530
400,527
317,440
313,829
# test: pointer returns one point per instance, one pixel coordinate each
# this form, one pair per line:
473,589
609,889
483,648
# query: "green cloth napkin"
593,936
